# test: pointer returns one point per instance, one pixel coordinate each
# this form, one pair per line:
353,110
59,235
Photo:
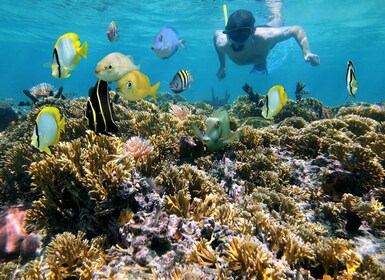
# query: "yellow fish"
66,55
274,101
135,86
48,125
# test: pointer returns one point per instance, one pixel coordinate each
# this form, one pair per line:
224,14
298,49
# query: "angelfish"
99,111
218,133
351,81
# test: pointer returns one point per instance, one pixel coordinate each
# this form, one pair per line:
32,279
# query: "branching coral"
251,259
68,256
81,186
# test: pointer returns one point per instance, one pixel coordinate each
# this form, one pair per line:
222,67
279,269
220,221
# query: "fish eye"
217,124
161,38
110,66
129,85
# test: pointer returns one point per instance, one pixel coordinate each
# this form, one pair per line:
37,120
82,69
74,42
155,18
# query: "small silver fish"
113,32
181,81
351,81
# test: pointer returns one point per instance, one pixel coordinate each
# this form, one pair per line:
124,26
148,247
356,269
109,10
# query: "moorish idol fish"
66,55
351,81
181,81
99,110
274,101
48,125
135,86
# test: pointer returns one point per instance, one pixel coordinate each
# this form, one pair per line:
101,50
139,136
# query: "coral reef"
43,90
7,114
301,198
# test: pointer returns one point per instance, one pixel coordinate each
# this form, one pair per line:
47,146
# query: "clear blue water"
337,30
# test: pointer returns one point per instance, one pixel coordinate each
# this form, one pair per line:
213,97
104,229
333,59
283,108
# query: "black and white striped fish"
181,81
351,81
99,110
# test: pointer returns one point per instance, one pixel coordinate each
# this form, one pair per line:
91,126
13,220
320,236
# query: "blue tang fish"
166,42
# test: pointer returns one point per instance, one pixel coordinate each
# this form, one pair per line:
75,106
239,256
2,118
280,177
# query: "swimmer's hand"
221,74
312,58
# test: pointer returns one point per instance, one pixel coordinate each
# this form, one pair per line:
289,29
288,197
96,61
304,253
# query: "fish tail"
83,50
182,43
154,88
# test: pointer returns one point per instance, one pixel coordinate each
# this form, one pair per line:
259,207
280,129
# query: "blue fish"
166,42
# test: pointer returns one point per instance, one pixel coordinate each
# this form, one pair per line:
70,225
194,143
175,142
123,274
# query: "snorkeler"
247,44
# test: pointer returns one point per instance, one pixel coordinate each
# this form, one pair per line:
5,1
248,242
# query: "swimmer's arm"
222,59
276,35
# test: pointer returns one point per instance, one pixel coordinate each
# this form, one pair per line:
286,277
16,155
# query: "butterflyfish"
48,125
99,111
166,42
181,81
136,86
218,133
351,81
274,101
66,55
114,66
113,32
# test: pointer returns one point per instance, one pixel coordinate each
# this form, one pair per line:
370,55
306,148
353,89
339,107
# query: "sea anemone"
42,90
181,112
137,147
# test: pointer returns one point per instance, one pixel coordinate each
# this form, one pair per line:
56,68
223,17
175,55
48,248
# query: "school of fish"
133,85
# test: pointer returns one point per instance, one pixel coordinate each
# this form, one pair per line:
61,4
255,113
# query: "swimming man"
246,44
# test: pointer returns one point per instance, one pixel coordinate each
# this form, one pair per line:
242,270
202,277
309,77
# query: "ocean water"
338,31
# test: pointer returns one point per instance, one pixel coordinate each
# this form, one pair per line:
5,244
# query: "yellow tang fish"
114,66
274,101
66,55
48,125
135,86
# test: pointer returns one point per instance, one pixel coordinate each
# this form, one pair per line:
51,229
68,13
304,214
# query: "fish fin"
231,137
83,50
67,75
154,88
62,124
46,150
198,132
182,43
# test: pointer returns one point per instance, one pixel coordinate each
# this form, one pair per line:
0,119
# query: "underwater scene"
192,139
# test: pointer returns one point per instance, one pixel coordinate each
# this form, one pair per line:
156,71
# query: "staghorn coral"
251,259
67,256
82,186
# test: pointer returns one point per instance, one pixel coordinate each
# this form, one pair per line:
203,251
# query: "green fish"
218,133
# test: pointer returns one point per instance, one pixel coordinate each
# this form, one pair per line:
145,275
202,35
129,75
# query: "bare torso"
255,50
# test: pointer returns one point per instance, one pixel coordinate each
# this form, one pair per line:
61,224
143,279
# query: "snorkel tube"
225,14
